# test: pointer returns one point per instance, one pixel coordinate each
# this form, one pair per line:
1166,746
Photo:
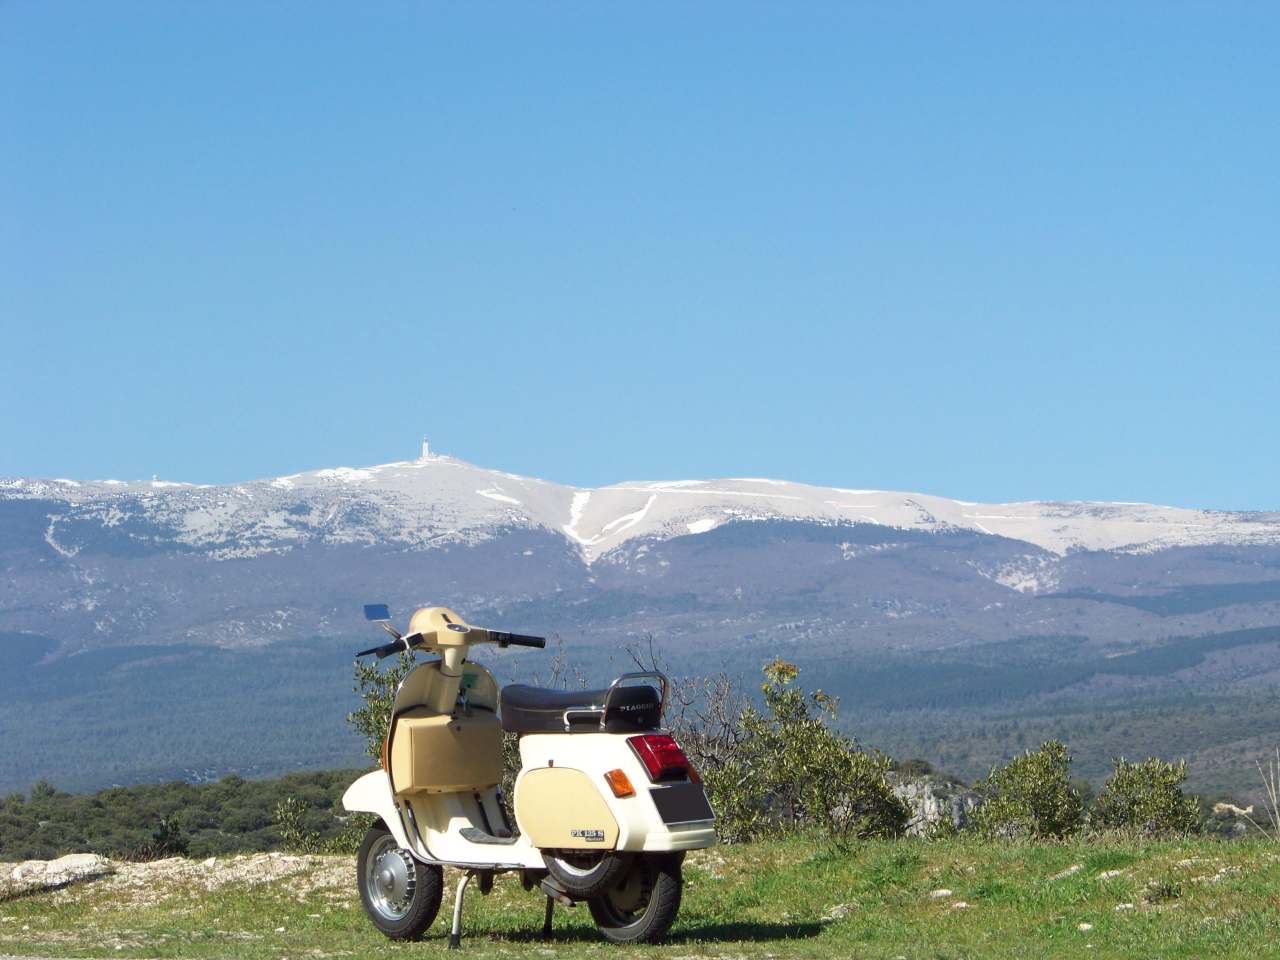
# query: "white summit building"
426,449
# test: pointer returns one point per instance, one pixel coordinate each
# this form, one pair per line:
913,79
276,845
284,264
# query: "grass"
1186,898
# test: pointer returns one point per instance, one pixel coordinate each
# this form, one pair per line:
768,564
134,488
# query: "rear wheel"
584,873
401,895
642,904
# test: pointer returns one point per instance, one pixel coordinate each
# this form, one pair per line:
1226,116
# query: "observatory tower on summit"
426,449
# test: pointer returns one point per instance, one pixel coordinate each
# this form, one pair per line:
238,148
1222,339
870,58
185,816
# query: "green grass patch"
908,899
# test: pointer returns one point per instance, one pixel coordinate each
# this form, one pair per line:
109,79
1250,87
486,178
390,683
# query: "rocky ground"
153,882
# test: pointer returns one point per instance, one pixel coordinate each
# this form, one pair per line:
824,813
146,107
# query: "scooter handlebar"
398,645
386,650
503,639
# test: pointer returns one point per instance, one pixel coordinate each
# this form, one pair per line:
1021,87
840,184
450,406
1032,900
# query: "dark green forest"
232,815
154,714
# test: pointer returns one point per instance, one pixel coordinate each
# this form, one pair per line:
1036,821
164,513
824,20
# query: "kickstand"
455,934
546,919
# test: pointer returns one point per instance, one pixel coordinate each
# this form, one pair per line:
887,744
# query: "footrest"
476,835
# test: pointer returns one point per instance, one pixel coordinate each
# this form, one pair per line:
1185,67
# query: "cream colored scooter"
605,803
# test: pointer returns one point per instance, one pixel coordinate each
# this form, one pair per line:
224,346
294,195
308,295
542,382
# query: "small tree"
377,688
788,772
1030,796
1147,796
168,840
291,827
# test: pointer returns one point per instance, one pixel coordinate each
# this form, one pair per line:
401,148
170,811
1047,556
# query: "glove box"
437,753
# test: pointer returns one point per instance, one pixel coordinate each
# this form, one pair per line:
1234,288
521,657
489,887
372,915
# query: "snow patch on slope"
497,494
629,520
577,506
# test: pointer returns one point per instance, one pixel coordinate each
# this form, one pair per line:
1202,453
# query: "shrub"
1147,796
167,840
1031,796
913,767
290,824
297,836
782,770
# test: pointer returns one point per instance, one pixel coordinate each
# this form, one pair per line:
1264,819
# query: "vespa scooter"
605,803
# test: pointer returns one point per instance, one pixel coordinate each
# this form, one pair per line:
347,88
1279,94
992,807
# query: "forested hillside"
231,815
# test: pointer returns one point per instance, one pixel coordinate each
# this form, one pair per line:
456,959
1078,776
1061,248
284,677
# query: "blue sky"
986,251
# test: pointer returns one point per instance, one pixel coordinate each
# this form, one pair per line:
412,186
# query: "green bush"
293,823
1031,796
1147,797
290,823
784,771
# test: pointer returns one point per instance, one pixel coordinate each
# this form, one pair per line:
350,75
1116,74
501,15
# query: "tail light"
661,755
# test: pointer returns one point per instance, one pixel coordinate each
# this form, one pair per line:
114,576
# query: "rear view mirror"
377,612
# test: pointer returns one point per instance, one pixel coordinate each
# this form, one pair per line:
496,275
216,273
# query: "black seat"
526,709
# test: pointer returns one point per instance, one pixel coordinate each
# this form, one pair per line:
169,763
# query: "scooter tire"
414,909
580,879
642,905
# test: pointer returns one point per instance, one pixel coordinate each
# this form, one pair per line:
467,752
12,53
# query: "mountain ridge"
441,498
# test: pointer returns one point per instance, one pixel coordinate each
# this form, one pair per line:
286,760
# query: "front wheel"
401,895
641,906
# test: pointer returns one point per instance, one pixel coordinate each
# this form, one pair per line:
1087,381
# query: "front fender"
372,794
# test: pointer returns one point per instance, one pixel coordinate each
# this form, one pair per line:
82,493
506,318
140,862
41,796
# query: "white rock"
1062,874
1109,874
940,893
1086,927
959,905
47,874
1124,906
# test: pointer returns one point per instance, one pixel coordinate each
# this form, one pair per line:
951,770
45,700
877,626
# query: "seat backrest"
633,709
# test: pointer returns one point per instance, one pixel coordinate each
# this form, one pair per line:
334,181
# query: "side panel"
559,808
640,826
372,794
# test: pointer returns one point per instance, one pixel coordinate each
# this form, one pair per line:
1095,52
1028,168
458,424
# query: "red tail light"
661,755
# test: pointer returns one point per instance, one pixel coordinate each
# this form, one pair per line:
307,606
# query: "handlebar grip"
382,652
517,639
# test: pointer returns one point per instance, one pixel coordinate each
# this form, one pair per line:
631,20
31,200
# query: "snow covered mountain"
112,562
238,606
439,499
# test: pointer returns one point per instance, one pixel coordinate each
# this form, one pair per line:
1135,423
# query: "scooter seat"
526,709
